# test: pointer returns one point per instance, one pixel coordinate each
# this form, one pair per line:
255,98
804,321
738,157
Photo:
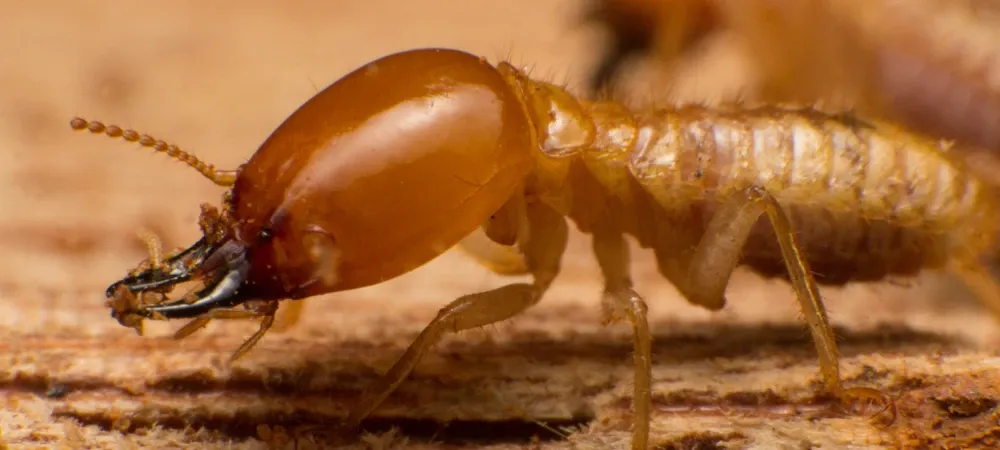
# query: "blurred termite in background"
932,66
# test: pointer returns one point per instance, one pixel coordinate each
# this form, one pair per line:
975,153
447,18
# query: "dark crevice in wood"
242,426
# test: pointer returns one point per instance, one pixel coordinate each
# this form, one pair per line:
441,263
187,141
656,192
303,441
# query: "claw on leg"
857,395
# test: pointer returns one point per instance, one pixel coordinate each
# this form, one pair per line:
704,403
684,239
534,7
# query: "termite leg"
265,324
718,253
503,225
621,302
198,323
288,315
543,247
218,314
265,312
979,281
501,259
493,245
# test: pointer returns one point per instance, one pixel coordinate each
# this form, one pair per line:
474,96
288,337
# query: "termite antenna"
224,178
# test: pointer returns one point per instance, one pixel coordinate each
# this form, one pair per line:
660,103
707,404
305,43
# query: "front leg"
493,245
499,258
545,235
288,315
264,311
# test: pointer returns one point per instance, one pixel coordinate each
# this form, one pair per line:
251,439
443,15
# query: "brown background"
215,79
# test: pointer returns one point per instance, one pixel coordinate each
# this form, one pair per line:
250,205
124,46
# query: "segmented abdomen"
865,200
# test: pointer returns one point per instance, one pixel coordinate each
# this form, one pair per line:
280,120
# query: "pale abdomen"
865,202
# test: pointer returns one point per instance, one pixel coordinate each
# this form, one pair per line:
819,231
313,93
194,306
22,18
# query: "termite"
667,29
930,65
406,156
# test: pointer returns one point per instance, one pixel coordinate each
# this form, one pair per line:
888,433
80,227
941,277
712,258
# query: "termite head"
377,174
216,260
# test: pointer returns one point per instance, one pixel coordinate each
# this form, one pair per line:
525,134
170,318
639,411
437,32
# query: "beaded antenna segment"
223,178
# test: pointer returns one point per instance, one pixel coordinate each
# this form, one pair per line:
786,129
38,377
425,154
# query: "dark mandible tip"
220,295
176,269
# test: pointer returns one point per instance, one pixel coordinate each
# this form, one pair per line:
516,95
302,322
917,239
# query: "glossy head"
374,176
384,170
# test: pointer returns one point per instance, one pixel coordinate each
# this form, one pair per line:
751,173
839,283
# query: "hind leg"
717,255
979,280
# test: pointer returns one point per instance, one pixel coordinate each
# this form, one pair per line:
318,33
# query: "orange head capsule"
374,176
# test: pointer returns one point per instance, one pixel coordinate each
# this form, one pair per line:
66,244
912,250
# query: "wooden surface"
215,80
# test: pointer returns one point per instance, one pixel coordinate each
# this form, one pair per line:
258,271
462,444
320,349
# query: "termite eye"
265,234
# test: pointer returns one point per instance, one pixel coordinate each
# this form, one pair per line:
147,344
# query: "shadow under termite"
318,380
682,344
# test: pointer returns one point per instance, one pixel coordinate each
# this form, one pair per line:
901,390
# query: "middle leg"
621,302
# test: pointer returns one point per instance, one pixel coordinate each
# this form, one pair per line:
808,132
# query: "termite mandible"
399,160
